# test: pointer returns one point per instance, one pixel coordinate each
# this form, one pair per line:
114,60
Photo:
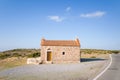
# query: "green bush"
37,54
115,52
3,56
16,55
93,57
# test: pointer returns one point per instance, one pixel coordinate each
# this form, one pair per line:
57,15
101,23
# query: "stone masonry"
61,51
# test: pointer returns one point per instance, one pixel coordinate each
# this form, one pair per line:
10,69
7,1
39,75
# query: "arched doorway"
49,55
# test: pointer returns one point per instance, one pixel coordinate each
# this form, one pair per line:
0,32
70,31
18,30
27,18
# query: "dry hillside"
17,57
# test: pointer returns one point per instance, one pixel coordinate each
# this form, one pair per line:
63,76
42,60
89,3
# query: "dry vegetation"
17,57
20,53
12,62
94,53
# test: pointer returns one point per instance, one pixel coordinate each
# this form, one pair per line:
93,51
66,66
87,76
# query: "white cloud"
56,18
68,9
94,14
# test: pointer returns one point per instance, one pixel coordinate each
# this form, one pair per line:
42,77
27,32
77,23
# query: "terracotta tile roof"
60,42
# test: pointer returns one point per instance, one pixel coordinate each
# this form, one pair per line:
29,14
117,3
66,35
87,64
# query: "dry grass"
18,53
18,57
94,55
12,62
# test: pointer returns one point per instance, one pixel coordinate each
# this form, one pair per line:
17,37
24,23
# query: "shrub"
16,55
115,52
93,56
16,50
37,54
3,56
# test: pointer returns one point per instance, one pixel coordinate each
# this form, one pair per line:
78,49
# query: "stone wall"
61,54
34,60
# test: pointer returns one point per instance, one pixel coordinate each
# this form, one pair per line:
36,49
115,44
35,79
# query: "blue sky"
24,22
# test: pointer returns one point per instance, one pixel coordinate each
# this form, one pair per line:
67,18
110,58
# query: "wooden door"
49,56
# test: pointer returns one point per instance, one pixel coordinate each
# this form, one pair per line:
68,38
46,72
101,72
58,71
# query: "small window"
63,53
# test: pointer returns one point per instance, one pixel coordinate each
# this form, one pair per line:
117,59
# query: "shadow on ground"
91,59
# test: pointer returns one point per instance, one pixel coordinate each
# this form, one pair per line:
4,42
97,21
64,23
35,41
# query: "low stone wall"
34,60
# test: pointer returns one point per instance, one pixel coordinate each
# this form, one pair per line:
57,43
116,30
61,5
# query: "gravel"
78,71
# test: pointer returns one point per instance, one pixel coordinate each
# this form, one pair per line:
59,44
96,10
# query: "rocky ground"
85,70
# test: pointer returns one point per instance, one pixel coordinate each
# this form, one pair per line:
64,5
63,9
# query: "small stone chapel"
60,51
